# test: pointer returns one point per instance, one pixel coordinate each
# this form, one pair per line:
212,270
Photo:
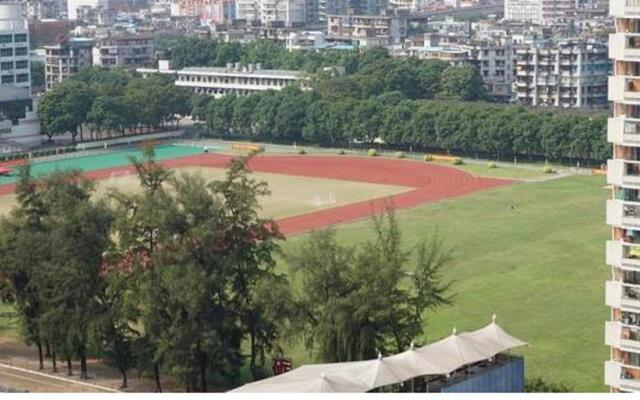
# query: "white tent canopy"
439,358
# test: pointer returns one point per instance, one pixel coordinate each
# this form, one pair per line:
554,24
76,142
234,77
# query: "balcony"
622,255
622,336
623,214
623,173
624,8
624,131
624,89
622,295
620,376
624,46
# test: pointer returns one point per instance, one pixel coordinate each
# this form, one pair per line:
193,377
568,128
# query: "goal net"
119,176
324,199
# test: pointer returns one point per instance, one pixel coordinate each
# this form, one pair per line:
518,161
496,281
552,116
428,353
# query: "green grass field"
503,171
540,268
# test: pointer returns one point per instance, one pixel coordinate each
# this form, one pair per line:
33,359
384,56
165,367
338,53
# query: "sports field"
540,267
531,252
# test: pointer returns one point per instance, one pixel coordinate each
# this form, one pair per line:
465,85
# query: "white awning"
439,358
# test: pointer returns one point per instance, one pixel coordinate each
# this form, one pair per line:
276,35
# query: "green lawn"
502,171
539,267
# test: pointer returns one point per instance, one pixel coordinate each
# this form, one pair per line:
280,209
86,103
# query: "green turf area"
540,267
502,171
107,160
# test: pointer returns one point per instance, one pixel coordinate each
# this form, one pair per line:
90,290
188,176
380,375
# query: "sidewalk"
25,359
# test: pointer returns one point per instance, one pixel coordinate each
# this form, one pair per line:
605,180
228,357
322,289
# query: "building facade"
570,73
65,59
14,47
622,291
232,79
523,10
367,30
123,51
73,5
558,10
495,62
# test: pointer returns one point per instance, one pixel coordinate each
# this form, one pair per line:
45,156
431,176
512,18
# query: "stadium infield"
426,182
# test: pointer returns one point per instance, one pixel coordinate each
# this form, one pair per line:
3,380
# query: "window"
21,51
6,39
6,52
22,77
20,38
23,64
7,79
6,65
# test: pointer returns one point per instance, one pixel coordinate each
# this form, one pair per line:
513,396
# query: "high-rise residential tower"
14,46
622,332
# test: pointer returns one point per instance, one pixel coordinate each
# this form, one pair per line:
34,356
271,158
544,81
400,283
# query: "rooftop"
244,71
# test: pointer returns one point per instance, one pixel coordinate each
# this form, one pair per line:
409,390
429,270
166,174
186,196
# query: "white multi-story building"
558,10
496,63
268,12
66,58
14,47
123,51
232,79
622,332
568,73
523,10
367,30
73,5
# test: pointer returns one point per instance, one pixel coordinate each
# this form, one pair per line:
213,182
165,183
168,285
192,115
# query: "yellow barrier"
598,172
248,147
443,158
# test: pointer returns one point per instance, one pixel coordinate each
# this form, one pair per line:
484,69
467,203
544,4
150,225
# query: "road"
23,380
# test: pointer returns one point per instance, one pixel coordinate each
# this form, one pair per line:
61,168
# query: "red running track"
430,182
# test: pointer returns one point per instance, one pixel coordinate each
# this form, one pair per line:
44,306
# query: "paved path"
24,380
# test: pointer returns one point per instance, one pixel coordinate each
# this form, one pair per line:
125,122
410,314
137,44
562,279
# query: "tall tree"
357,301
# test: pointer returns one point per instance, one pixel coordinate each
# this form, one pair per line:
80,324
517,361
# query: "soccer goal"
119,176
324,199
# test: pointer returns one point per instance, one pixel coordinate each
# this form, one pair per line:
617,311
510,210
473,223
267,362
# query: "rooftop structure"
435,364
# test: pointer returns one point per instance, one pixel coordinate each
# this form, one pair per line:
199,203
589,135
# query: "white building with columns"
232,79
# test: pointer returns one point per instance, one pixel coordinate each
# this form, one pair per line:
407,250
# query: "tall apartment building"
622,293
14,47
123,51
65,59
569,73
523,10
496,64
272,12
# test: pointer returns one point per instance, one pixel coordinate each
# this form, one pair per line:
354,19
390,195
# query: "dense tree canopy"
472,128
112,103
